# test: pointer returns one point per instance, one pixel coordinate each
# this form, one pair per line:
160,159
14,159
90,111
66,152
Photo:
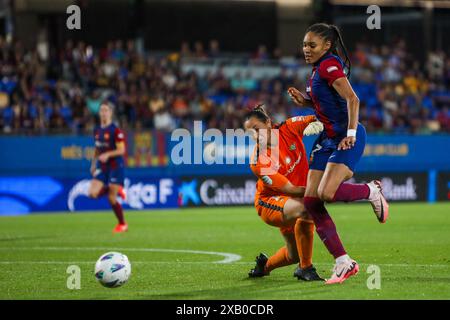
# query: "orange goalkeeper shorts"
270,209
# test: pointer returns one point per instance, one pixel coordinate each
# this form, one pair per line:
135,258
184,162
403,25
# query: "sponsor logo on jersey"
331,69
298,118
291,168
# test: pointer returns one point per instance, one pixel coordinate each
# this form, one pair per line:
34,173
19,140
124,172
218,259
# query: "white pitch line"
93,262
228,257
400,265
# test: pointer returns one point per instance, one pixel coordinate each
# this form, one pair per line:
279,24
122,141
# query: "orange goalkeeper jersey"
285,161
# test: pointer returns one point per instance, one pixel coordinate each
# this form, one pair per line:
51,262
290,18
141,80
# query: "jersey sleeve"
268,174
331,70
299,123
119,136
273,180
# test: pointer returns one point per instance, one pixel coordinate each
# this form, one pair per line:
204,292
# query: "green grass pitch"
412,250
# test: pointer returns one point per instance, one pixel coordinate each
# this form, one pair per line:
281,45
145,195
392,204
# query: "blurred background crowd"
61,92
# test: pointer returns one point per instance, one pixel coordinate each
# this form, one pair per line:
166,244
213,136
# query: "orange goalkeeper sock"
279,259
304,236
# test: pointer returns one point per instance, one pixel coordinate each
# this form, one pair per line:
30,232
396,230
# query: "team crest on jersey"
292,147
106,135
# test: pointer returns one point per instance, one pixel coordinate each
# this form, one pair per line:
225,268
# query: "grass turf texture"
412,250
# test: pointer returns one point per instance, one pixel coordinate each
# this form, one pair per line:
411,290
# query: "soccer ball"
112,269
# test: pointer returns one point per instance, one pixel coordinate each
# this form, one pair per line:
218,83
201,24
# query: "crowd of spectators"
56,91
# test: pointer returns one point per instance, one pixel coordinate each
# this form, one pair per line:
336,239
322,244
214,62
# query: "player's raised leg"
332,189
97,189
122,226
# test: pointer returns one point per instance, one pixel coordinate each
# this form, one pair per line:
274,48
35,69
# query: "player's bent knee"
293,209
304,215
93,194
112,199
326,195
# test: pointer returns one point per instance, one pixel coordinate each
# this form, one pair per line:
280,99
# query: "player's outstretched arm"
280,183
299,98
293,191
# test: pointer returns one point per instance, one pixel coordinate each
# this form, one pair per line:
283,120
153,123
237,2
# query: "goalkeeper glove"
315,127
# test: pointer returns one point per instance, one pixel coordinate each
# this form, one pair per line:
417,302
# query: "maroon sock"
325,226
117,208
348,192
103,191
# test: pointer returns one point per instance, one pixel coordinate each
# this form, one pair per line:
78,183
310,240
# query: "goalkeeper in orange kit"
281,165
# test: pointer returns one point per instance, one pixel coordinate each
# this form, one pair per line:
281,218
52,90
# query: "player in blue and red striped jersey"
341,144
107,166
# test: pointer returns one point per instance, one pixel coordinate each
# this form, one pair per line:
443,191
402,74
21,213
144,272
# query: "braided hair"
330,32
259,112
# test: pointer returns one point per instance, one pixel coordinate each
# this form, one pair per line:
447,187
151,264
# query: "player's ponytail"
259,112
330,32
338,40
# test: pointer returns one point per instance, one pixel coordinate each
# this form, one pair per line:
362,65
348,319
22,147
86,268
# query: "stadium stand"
60,92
